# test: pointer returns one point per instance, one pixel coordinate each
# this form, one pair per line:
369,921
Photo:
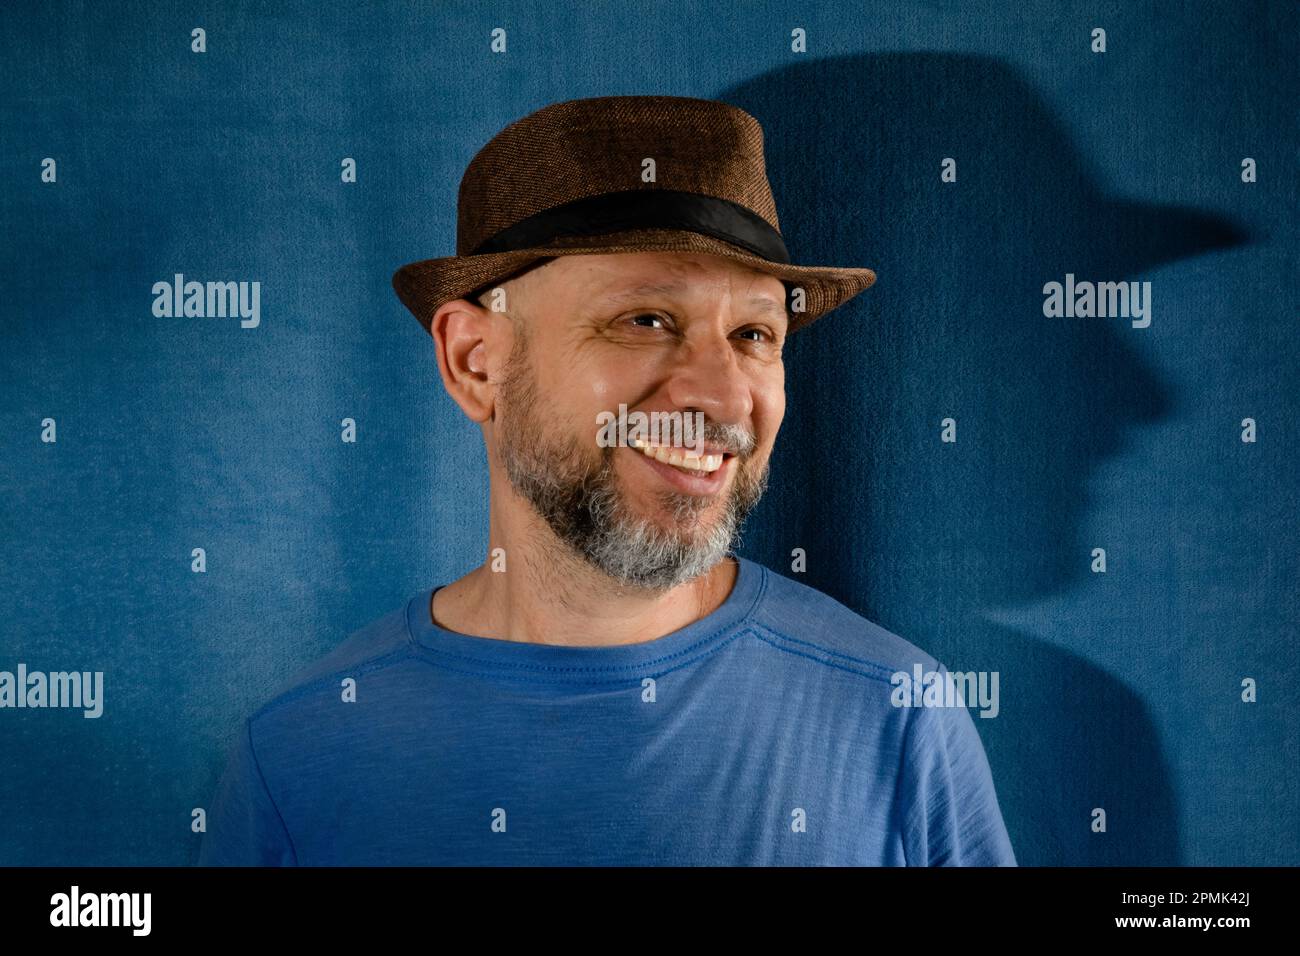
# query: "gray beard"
585,507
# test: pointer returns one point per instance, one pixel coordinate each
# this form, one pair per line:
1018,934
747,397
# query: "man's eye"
648,315
764,334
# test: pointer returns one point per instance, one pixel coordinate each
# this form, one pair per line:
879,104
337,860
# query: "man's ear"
461,332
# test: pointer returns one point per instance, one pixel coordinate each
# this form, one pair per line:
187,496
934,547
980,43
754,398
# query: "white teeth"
681,458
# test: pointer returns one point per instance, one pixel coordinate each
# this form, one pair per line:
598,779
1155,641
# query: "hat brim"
426,285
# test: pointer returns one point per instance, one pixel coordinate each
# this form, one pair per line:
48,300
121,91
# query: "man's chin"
689,564
688,518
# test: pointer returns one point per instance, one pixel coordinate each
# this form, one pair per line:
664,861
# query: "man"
612,685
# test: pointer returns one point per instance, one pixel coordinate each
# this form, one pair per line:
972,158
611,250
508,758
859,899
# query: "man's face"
657,332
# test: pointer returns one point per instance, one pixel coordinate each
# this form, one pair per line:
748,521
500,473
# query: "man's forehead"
754,300
613,283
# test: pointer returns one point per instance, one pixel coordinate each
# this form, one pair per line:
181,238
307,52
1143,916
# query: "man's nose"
708,377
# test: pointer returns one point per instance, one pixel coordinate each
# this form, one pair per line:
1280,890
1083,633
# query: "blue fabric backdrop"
1119,690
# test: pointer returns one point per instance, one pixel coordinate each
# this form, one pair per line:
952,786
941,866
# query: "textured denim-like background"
1118,690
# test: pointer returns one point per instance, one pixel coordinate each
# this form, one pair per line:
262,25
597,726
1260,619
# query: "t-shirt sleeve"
950,813
244,827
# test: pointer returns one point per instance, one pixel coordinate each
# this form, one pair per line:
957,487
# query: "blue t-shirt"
766,733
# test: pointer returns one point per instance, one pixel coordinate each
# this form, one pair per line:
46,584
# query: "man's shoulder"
378,645
805,620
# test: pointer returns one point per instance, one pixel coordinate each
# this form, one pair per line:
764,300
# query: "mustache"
733,439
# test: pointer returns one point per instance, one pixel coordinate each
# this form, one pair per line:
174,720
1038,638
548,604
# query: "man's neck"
548,595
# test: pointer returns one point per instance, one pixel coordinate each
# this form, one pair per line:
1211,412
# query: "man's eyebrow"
649,288
760,303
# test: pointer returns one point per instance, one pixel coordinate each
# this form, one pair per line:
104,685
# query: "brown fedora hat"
570,179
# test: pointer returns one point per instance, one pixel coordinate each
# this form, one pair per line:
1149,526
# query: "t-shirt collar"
558,663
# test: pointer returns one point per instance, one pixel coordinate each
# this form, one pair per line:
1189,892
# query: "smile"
681,458
693,474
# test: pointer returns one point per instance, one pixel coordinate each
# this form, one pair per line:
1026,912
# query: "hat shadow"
924,537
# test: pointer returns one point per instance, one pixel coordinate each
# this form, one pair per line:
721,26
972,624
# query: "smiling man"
646,538
613,685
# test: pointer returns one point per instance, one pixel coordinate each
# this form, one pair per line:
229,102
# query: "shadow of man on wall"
924,536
